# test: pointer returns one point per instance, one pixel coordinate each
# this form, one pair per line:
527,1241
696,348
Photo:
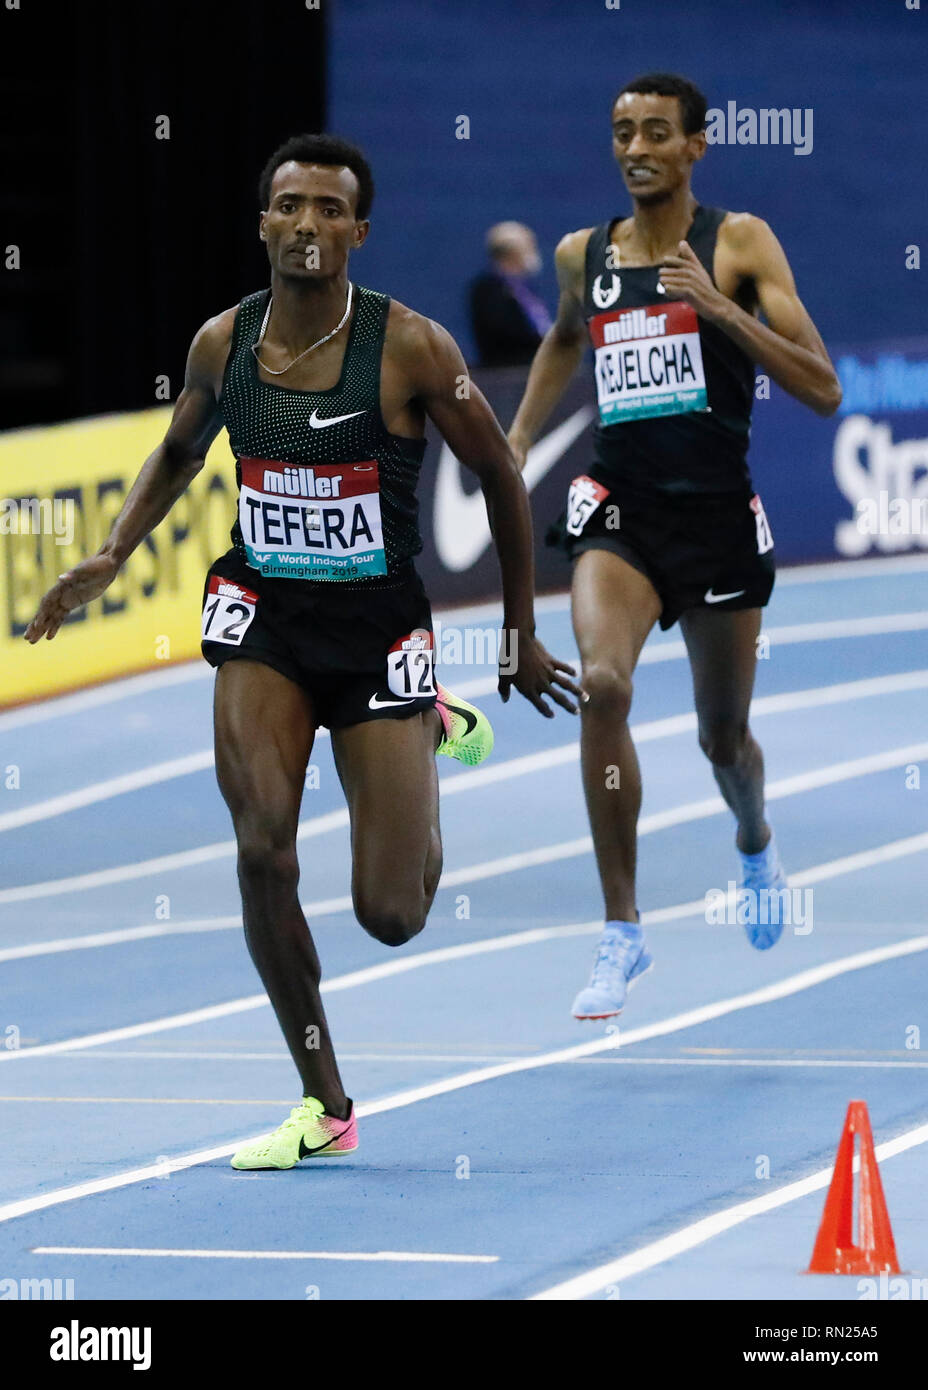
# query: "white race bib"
411,666
312,523
228,612
648,362
764,534
583,498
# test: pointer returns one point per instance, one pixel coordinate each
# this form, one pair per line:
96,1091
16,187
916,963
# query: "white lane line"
865,859
138,1030
196,670
391,1256
568,849
844,1063
177,1054
78,701
658,728
895,849
676,815
781,989
75,702
865,568
698,1232
473,780
117,937
832,629
103,791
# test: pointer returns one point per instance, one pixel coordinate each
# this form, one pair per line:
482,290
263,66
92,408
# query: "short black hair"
321,149
671,84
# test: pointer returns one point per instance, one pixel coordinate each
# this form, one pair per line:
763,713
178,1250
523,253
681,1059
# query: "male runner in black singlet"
667,525
316,615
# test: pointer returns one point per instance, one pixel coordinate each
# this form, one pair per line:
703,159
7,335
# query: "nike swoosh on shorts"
376,703
710,597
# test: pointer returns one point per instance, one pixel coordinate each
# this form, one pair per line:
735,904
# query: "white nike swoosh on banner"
720,598
376,703
318,424
459,521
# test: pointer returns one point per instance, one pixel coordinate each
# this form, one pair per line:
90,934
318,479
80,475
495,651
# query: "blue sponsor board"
855,484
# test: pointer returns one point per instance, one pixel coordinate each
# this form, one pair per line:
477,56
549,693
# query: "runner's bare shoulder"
209,351
410,336
570,258
739,231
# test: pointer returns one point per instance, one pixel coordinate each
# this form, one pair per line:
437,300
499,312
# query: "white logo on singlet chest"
318,424
603,298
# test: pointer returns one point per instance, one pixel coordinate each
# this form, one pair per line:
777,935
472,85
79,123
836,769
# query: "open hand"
88,580
535,672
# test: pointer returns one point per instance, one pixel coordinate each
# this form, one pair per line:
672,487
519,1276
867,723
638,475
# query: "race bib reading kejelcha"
648,362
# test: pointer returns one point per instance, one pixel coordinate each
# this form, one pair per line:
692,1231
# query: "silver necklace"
267,317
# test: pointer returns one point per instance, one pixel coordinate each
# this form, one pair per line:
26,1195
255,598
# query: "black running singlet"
326,493
674,392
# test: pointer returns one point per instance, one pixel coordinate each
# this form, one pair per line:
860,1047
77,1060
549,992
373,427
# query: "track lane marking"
646,732
698,1232
390,1256
781,989
204,760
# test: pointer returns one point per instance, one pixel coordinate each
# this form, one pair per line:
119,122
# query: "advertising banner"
853,485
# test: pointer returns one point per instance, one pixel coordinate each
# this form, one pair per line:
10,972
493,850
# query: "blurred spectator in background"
508,318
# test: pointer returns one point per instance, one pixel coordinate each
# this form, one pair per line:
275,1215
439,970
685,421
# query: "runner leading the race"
316,615
666,526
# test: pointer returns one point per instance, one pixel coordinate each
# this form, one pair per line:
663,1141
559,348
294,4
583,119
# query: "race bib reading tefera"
648,362
321,522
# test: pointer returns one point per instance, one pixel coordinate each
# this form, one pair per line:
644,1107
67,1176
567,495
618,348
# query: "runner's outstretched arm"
789,345
559,351
164,476
467,424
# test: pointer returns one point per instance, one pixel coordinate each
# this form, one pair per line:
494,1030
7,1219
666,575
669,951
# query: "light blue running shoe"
763,877
621,959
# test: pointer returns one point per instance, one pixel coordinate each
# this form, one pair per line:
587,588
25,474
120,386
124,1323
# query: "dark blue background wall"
536,78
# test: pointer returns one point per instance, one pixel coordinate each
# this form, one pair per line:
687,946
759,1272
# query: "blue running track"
506,1150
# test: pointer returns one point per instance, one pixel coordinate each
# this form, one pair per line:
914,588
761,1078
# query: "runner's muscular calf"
614,605
386,767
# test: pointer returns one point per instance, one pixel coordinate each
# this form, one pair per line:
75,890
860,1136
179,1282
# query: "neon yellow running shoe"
308,1133
468,733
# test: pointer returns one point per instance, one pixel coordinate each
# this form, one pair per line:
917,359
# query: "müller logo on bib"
648,362
319,522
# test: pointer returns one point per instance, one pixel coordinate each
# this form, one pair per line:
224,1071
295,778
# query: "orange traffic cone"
835,1252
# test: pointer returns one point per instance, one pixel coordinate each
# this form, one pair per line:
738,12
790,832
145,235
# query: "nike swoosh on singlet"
459,519
318,424
710,597
376,703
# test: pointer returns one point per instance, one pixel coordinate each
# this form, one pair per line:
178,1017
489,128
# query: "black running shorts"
698,550
359,653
